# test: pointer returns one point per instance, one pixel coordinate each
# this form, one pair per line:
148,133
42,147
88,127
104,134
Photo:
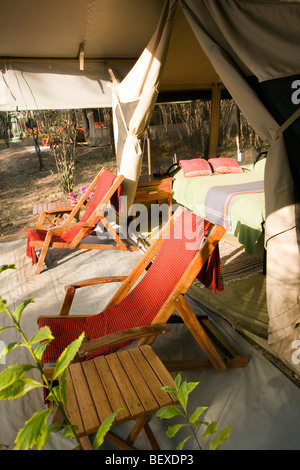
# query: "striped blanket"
219,198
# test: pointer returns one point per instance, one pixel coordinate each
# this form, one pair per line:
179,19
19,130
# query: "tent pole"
214,121
149,151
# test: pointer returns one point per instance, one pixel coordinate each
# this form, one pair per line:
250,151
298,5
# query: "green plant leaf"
41,335
7,266
67,356
183,395
9,347
173,430
104,428
59,392
2,305
168,412
18,388
13,373
53,394
211,429
20,308
199,423
191,386
197,413
180,446
221,437
170,390
69,432
39,350
63,389
177,381
35,432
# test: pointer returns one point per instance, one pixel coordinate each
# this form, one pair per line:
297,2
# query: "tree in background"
34,126
5,126
62,130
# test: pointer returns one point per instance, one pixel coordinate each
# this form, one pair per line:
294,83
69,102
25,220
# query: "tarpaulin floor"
260,403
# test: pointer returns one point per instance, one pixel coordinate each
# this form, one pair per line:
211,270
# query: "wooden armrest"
71,289
122,337
66,227
95,280
61,228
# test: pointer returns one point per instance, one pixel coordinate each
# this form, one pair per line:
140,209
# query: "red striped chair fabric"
143,302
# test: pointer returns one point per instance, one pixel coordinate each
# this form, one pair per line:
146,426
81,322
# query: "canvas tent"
251,47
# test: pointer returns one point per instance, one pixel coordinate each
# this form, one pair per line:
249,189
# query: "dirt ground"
22,184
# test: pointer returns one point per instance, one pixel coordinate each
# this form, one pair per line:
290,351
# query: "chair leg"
121,245
85,443
40,261
199,333
43,253
118,441
139,424
150,438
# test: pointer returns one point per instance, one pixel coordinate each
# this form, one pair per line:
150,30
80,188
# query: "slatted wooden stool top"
51,212
130,379
51,207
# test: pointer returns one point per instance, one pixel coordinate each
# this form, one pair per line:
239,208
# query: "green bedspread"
247,211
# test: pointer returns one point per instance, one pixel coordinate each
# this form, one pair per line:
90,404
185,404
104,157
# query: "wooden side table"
130,380
154,188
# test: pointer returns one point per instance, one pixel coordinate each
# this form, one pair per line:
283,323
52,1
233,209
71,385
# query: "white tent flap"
134,99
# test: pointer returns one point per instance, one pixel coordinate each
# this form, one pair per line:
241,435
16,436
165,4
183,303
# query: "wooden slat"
73,407
141,387
89,416
133,402
160,370
112,390
150,377
51,207
100,399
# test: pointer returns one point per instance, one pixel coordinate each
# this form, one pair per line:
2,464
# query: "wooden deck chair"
72,234
186,248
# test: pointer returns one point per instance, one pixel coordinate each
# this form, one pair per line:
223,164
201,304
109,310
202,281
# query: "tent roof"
40,46
53,28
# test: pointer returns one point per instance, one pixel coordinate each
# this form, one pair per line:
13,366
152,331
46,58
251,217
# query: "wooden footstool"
130,379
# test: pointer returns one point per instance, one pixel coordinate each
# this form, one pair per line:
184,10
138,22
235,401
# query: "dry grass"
22,184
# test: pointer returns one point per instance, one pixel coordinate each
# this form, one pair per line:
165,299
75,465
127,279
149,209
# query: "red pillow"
225,165
195,167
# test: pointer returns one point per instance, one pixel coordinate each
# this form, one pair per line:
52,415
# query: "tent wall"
57,84
225,30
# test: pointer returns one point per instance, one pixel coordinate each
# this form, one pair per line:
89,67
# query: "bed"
234,200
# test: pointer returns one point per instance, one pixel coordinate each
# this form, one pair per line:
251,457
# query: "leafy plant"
15,383
181,392
62,134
